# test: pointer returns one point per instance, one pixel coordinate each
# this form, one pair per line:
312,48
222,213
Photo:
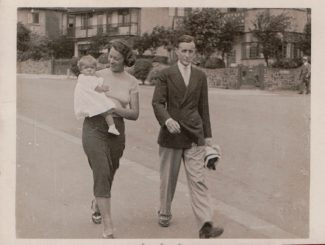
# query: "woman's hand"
131,113
102,88
105,88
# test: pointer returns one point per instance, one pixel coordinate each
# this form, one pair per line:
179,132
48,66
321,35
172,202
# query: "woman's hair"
125,50
87,60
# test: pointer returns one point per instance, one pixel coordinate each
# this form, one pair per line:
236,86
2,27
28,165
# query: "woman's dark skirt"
103,150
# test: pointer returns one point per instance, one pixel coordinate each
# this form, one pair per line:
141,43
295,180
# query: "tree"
142,43
205,26
160,36
228,31
97,44
62,47
31,45
269,31
23,37
305,40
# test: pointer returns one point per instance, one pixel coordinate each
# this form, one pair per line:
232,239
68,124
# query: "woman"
105,150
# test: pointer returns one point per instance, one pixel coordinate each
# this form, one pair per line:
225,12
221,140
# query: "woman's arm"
131,113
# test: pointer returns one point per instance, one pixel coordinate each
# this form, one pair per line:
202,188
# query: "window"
35,18
232,57
232,10
71,21
251,50
180,12
187,11
124,17
85,21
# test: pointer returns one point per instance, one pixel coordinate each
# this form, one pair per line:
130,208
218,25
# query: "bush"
153,74
74,66
214,62
160,59
287,63
142,68
103,58
62,47
23,38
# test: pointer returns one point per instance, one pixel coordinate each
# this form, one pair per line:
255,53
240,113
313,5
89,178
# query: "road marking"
244,218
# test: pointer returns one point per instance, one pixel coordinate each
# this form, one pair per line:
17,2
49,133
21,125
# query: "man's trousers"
170,161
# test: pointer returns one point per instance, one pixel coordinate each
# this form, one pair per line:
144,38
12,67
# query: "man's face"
185,53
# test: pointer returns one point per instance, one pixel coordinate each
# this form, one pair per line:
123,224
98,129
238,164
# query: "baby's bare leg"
110,122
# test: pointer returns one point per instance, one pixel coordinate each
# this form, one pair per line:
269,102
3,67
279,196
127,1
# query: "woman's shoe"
96,217
110,236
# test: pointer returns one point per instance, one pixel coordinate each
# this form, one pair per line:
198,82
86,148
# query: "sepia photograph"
149,123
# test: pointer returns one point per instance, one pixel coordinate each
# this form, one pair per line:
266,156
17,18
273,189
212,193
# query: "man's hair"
87,60
185,39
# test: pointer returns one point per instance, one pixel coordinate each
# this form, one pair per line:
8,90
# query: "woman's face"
116,60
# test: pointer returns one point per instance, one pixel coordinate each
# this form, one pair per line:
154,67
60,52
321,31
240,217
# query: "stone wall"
226,78
281,79
57,67
35,67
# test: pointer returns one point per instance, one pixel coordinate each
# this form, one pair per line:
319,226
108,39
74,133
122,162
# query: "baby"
89,97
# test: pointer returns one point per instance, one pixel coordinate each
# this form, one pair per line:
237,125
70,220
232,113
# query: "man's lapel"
178,79
192,84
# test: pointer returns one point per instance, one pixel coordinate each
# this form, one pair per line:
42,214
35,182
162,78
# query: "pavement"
64,203
54,182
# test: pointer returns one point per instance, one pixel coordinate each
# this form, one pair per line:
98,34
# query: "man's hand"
173,126
208,141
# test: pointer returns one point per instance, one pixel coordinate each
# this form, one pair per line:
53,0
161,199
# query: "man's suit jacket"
187,105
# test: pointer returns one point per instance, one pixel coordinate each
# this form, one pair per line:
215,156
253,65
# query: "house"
247,50
84,24
50,22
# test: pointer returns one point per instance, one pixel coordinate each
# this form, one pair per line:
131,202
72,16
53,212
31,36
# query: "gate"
60,66
251,77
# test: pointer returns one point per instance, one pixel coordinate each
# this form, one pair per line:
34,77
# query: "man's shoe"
300,92
164,219
209,231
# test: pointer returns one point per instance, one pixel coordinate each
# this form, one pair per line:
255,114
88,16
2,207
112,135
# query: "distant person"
180,104
304,76
104,150
89,97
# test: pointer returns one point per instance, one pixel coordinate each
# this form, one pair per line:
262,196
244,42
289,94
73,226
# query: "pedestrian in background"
180,103
104,150
304,76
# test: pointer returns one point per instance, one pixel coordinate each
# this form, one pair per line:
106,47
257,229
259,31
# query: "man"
180,103
304,76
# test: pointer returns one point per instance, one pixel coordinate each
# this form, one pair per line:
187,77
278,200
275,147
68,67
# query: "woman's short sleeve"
134,87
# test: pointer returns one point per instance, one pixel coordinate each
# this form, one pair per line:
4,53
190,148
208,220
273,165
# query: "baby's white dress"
88,102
